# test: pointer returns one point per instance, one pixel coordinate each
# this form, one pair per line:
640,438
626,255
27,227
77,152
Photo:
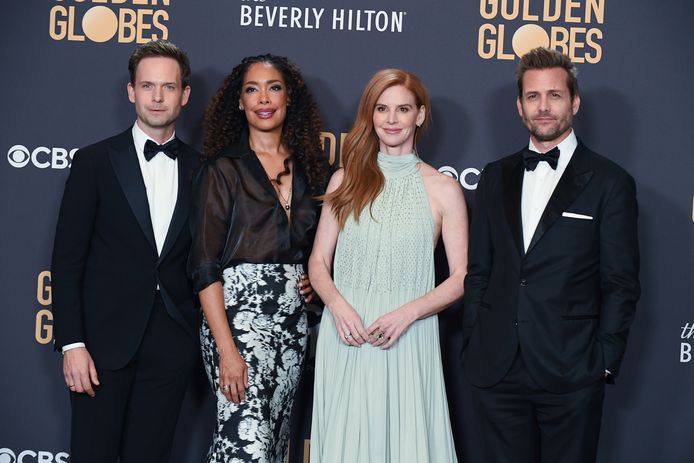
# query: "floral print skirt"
268,322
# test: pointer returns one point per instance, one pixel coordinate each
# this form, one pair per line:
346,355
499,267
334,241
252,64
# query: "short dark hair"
164,49
546,58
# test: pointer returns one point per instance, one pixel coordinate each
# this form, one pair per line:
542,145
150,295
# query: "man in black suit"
553,280
124,311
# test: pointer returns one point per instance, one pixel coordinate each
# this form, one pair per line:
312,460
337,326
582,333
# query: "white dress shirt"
160,175
539,184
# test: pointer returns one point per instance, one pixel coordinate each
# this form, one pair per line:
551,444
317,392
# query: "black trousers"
521,423
133,415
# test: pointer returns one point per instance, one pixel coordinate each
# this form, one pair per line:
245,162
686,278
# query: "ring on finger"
226,388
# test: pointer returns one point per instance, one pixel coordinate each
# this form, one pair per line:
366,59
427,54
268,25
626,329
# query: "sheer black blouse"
237,217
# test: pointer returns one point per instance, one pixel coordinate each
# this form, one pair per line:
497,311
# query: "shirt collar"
140,138
240,149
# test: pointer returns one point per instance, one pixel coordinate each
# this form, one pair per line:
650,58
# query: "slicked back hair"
162,49
546,58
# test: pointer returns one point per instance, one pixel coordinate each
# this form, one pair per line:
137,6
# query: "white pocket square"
572,215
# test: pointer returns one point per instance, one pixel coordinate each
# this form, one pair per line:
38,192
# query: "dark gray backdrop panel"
636,109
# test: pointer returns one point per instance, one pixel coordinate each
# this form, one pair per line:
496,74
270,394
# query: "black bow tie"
531,158
152,148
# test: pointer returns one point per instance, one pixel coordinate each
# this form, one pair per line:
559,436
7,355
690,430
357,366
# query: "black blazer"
105,267
569,300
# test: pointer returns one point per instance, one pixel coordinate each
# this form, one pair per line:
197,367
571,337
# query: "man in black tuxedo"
124,312
553,280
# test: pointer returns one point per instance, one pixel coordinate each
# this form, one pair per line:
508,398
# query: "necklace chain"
275,185
287,204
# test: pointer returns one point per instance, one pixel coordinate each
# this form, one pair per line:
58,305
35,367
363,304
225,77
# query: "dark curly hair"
224,123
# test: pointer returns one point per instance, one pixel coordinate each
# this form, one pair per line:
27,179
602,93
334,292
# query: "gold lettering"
526,12
343,135
549,17
71,27
486,44
500,45
43,288
574,44
572,5
127,30
143,25
44,330
504,9
559,39
595,46
57,26
332,141
150,2
595,9
164,16
493,10
307,450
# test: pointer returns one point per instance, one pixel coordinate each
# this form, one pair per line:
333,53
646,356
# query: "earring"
240,107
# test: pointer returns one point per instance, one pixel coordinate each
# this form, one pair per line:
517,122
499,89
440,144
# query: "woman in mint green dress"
379,393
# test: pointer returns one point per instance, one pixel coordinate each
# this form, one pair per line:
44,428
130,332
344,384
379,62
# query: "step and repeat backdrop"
64,76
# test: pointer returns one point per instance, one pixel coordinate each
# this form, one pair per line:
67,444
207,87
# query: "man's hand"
79,371
305,288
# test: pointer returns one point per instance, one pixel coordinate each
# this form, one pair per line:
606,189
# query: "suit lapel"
186,166
512,181
124,161
572,182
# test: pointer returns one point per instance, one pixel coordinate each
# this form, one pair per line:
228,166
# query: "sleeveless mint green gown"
372,405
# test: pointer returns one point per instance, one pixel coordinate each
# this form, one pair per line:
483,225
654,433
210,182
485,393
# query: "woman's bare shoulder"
441,184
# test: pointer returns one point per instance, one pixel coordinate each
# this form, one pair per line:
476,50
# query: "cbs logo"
468,178
42,157
30,456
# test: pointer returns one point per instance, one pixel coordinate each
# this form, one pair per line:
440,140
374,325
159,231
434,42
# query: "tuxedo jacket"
569,300
105,268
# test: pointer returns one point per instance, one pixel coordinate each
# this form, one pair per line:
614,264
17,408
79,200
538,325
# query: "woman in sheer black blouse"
254,219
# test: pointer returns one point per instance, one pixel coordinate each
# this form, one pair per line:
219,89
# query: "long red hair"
363,180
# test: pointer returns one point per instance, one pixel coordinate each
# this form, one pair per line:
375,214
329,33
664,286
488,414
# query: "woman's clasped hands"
383,332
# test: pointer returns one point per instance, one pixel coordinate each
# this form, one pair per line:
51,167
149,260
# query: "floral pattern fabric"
268,322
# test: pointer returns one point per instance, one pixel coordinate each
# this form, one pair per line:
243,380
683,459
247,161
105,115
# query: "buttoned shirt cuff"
74,345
